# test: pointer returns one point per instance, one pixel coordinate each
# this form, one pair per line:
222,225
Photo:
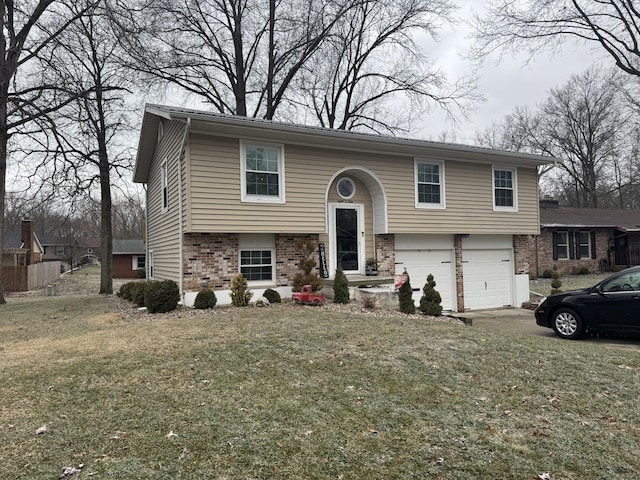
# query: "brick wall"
287,256
386,254
523,245
212,258
543,248
457,245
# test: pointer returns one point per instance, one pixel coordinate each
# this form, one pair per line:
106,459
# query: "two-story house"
230,194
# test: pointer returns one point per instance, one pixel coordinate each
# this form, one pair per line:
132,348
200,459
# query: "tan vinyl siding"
215,204
163,227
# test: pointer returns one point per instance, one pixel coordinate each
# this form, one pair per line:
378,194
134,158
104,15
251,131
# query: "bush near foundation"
205,299
161,296
431,299
405,297
340,287
272,296
240,293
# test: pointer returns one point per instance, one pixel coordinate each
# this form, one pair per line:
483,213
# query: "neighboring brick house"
229,194
598,239
128,258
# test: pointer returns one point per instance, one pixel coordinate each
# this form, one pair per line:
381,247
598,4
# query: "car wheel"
567,324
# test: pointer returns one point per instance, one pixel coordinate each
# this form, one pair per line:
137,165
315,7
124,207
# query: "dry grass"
305,392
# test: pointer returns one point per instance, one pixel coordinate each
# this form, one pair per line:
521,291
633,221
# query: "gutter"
180,209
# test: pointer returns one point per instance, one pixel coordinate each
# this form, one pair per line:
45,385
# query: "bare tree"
371,73
26,29
522,25
240,56
88,130
589,126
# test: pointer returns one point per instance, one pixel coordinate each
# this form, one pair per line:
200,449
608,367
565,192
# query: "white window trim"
252,242
353,184
164,185
244,197
514,178
435,206
134,262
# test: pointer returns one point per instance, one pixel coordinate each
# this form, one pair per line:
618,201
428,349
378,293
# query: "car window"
627,282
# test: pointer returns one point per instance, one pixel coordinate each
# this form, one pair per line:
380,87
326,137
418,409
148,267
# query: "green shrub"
306,263
272,296
205,299
340,287
555,283
431,299
240,293
125,290
583,271
161,296
405,297
142,273
138,293
547,274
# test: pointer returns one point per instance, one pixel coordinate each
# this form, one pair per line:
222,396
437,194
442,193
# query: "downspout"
181,159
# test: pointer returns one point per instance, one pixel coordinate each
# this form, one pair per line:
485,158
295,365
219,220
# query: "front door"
348,238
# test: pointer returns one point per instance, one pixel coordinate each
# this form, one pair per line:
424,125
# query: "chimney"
27,239
549,202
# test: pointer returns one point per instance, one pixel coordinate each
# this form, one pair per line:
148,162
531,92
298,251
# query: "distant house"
69,251
129,259
22,266
21,247
596,239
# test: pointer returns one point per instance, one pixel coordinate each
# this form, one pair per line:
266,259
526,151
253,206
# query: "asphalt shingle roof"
590,217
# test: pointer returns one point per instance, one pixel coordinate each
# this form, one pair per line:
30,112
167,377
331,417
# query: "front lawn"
305,392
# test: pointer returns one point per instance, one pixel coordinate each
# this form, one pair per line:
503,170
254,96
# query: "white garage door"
420,263
488,276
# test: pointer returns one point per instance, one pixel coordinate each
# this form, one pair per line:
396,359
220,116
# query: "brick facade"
386,254
541,256
213,259
523,245
122,266
210,258
457,245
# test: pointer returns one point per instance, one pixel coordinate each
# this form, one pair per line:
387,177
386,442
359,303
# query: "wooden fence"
20,279
42,274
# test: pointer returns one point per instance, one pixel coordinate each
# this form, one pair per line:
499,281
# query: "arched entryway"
356,211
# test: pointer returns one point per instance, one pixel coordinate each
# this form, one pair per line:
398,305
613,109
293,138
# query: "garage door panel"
420,263
487,278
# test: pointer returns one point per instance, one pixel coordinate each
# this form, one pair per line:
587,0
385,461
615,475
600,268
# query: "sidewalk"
515,320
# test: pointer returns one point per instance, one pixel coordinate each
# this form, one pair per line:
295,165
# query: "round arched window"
346,188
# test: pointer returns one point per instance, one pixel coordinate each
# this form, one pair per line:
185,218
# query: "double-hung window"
429,184
583,241
262,170
257,257
561,245
505,194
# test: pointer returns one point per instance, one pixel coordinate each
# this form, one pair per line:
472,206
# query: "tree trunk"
106,232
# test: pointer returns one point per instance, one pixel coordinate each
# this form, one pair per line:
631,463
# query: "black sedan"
613,305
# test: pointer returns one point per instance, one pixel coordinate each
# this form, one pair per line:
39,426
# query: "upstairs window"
429,178
504,189
262,168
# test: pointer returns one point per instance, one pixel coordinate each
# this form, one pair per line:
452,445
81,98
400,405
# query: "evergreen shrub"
205,299
161,296
306,263
431,299
240,293
405,297
340,287
272,295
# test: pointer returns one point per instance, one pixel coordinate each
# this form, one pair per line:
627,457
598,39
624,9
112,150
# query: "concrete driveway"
521,321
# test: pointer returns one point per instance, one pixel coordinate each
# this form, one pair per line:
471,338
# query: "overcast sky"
507,84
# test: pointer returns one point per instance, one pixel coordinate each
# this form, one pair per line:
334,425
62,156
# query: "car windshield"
626,282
